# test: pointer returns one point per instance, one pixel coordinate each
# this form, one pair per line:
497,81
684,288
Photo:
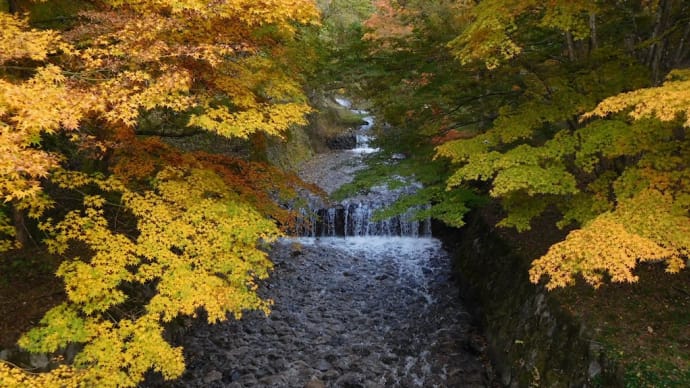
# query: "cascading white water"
356,216
375,309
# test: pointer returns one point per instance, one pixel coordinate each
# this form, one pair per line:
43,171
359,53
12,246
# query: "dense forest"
575,108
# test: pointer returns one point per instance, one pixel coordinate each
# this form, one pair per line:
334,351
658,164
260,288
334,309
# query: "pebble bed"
348,312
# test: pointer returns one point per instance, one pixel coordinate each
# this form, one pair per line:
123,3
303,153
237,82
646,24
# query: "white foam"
344,102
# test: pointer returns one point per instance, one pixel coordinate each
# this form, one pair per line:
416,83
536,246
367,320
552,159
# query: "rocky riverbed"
355,312
374,310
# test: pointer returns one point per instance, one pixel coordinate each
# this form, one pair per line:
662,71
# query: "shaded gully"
358,303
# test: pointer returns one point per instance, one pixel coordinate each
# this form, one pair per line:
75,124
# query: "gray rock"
345,141
39,361
273,381
248,379
331,375
323,365
594,369
5,354
212,376
315,384
350,380
332,330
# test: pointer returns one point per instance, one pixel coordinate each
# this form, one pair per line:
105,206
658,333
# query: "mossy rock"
289,153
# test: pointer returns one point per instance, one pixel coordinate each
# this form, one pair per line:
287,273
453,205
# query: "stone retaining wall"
532,340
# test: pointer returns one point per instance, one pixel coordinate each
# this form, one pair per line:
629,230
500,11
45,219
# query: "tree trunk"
21,234
571,45
656,50
594,41
12,6
681,51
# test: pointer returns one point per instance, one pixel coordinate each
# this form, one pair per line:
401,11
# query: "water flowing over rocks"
355,312
355,216
372,309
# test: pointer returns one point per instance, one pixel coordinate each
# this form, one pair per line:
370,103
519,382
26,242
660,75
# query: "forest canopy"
146,233
573,107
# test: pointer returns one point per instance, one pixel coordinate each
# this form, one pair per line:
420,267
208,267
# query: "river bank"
372,303
621,335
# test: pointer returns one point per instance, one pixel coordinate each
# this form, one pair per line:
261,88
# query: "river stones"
347,313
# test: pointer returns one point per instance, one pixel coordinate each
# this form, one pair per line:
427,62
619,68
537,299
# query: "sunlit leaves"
492,38
272,119
43,104
18,41
495,45
614,242
118,355
665,102
63,325
621,178
73,99
197,242
603,247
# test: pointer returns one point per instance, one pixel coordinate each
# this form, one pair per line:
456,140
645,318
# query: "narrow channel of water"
358,303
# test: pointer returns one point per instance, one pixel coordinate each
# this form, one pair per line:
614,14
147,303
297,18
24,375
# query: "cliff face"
532,340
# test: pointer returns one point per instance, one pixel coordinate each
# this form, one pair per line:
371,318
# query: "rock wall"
532,340
331,127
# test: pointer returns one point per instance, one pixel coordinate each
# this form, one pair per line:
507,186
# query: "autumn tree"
418,90
511,96
70,104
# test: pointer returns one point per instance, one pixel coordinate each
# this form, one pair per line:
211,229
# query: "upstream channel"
358,303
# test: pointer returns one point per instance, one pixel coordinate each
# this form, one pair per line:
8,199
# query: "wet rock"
331,375
594,369
315,384
350,380
406,328
212,376
248,379
39,361
234,375
389,358
344,141
273,381
361,349
323,365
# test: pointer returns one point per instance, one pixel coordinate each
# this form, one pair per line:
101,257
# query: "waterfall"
355,217
376,308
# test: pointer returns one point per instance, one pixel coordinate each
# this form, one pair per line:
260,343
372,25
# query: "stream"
358,303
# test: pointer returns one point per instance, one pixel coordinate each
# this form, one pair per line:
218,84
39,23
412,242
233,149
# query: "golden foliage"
643,228
665,102
491,36
194,236
43,104
18,41
196,245
202,56
603,247
621,181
